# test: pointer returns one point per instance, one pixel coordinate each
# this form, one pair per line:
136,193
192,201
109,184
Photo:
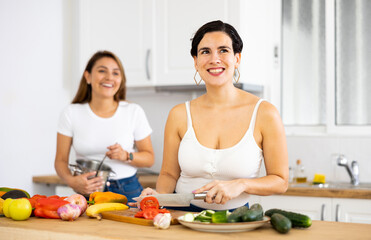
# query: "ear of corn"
96,209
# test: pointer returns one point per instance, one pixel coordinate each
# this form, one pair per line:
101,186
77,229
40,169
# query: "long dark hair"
217,26
84,93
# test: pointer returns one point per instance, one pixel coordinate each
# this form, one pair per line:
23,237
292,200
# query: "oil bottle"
300,176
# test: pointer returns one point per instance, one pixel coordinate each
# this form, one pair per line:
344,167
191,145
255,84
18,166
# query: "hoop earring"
236,72
194,78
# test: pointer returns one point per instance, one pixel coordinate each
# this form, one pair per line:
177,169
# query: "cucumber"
280,223
202,218
255,213
207,212
220,217
189,217
236,215
256,206
297,219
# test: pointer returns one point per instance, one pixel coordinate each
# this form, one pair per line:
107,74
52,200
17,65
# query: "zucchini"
297,219
280,223
236,215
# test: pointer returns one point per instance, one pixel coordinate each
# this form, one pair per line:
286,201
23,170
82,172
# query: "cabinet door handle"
147,64
337,213
323,212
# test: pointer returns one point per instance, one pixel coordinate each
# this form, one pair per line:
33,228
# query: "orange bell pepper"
106,197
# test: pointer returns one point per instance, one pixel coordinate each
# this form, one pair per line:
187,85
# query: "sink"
333,185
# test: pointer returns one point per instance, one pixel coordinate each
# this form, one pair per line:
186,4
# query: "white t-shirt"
201,165
91,134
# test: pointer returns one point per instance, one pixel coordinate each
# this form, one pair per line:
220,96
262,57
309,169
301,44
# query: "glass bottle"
300,176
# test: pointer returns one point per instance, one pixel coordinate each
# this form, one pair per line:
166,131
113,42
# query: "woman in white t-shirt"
99,123
218,141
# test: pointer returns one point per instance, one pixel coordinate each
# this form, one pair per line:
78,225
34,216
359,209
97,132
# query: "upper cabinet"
124,27
177,21
153,37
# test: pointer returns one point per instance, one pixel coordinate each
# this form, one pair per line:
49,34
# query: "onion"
162,221
69,212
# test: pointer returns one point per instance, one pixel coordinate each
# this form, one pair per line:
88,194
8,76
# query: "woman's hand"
86,183
117,152
222,191
146,192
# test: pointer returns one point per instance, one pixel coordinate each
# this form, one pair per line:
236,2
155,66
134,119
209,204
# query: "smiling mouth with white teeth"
217,70
107,85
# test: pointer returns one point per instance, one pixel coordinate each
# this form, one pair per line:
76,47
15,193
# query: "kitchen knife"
175,199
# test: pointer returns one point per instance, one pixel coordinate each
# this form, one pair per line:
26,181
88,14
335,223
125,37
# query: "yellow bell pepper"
106,197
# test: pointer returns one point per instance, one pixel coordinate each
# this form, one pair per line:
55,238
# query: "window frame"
330,128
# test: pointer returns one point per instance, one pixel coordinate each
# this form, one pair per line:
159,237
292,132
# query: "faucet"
353,171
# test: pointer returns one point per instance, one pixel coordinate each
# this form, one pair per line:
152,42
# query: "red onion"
69,212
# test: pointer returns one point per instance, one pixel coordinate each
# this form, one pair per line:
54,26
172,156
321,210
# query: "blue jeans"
130,187
193,208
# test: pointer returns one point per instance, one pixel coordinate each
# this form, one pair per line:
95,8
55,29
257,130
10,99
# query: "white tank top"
200,165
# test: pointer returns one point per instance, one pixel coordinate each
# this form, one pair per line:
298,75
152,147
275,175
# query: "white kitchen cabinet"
177,21
316,208
153,37
258,23
124,27
321,208
352,210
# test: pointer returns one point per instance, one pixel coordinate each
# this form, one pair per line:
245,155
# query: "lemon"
20,209
6,206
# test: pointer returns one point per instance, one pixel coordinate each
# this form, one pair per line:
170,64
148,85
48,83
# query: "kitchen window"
326,66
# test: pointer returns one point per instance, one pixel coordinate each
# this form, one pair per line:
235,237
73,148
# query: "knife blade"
175,199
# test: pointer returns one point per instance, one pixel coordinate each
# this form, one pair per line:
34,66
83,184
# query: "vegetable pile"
15,204
281,220
241,214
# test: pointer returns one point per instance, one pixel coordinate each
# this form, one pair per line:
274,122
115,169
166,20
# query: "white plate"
224,227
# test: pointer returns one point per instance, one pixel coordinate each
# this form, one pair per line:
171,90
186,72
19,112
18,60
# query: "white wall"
34,86
318,154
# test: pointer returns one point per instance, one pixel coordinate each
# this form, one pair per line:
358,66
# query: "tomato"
163,210
139,214
149,202
20,209
150,213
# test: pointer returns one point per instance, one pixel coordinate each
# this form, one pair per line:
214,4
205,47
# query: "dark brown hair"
217,26
84,93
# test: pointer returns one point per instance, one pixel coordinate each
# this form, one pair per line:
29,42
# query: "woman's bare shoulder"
177,114
268,115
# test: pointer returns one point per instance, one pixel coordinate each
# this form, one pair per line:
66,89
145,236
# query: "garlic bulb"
162,221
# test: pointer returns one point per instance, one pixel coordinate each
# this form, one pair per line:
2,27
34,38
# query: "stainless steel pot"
85,166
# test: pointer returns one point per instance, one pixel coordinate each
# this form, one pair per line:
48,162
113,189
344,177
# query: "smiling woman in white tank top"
218,141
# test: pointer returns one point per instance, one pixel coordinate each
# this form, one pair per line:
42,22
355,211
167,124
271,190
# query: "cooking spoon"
100,165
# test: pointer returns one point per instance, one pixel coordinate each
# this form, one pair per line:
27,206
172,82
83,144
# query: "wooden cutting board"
128,216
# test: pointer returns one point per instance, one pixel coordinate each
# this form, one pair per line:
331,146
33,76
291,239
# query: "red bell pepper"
47,207
34,198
